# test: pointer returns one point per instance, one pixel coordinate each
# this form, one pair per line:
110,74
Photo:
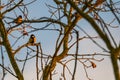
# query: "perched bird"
32,39
18,20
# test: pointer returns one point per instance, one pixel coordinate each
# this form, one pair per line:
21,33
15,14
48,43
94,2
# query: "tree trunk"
8,48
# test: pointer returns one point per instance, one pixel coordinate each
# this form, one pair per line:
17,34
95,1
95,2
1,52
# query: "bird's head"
32,35
20,16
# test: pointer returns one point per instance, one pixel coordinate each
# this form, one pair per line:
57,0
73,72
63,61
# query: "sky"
103,71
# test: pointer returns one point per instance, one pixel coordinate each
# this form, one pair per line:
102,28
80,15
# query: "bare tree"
64,18
104,33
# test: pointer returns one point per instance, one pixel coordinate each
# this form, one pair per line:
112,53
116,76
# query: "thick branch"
103,36
7,45
94,25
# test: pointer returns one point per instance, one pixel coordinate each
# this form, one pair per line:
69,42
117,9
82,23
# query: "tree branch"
12,7
7,45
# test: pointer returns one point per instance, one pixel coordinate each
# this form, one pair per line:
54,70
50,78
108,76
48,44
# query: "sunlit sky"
103,71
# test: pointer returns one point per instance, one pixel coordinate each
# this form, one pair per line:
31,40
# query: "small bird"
32,39
18,20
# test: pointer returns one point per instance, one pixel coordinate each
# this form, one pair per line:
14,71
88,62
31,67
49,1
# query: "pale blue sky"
103,71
